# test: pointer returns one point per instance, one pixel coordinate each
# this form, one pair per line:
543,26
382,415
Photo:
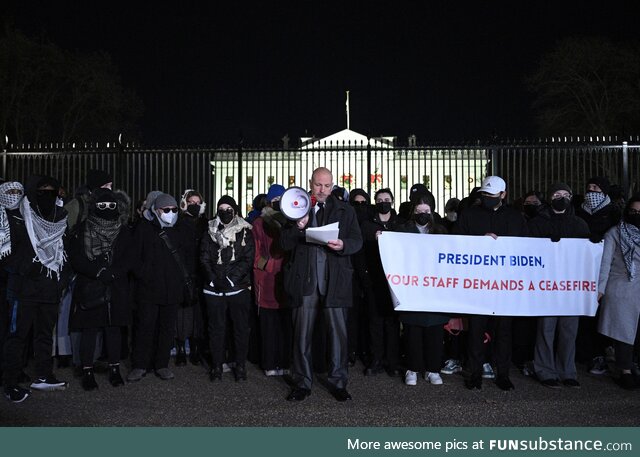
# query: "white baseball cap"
493,185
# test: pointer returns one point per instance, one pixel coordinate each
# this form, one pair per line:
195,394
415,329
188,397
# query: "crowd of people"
96,280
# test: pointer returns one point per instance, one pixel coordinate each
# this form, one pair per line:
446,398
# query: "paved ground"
191,400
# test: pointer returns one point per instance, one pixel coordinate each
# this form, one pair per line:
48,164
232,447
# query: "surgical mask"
193,209
423,218
560,204
169,218
225,216
490,202
383,207
594,199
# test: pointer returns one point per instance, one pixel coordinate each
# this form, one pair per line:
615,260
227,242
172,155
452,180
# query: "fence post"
368,177
5,143
240,180
625,168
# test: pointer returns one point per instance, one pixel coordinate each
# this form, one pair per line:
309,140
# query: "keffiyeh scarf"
629,241
10,195
595,201
46,238
99,236
225,236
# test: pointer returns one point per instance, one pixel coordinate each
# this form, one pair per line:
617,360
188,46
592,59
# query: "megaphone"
295,203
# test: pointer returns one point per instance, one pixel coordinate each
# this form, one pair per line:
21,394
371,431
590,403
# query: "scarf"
8,201
46,239
629,240
99,236
225,236
595,201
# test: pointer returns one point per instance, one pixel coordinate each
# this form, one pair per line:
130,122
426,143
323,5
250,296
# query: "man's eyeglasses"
173,210
105,205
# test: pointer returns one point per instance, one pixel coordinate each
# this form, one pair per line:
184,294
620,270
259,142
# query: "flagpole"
347,110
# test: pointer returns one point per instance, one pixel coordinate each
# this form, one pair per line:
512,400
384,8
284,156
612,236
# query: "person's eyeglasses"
634,212
173,210
105,205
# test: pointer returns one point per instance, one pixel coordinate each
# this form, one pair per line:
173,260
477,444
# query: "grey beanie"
151,198
164,200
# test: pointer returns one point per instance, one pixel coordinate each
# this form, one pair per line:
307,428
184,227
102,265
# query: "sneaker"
136,375
49,383
487,371
451,366
550,383
599,366
433,378
411,378
16,394
276,372
165,374
571,383
227,367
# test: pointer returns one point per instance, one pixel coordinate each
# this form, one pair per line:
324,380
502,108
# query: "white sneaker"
227,367
411,378
49,383
277,372
433,378
451,366
487,371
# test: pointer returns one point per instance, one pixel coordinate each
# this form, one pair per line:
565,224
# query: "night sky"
211,72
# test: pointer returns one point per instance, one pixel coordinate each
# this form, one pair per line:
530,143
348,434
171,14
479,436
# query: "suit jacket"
299,271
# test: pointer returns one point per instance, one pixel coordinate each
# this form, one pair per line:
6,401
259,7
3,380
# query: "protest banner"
508,276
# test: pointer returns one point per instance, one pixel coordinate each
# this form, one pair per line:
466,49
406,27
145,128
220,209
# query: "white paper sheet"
324,234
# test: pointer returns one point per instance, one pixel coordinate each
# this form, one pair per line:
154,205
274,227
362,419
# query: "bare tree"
588,86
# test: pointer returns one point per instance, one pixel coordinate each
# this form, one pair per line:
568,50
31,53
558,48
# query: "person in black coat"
319,278
37,277
384,326
555,347
227,254
492,218
101,255
600,214
160,288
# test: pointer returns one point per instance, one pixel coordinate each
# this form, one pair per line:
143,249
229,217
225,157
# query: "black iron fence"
242,172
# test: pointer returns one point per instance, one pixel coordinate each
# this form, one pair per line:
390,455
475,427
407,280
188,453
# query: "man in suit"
318,280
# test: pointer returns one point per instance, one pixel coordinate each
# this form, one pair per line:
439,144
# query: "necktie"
320,214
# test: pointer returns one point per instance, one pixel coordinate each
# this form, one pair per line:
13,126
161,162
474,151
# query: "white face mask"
169,218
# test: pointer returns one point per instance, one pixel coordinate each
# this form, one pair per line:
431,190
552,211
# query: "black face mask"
107,214
275,206
193,209
383,207
358,204
490,202
560,204
423,218
46,201
633,219
531,210
226,216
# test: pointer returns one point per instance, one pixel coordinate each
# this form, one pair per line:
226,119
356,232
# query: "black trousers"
189,322
501,344
24,315
112,339
424,347
276,334
624,351
238,308
156,324
304,318
384,333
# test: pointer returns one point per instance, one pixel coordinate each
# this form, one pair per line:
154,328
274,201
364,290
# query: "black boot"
216,373
181,354
115,378
240,372
88,380
194,353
